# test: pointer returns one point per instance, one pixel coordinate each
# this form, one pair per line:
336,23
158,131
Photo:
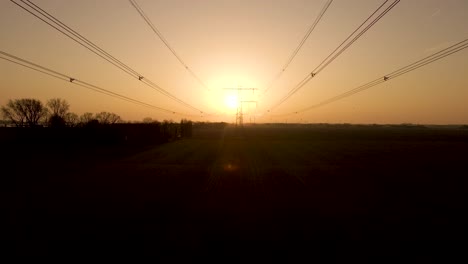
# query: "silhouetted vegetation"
107,118
58,107
72,119
24,112
86,118
56,125
58,110
185,128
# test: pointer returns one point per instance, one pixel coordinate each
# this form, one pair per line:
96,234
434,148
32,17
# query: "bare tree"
58,107
58,111
13,114
147,120
72,119
24,112
107,118
86,118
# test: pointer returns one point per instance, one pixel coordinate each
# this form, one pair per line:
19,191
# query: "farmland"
268,191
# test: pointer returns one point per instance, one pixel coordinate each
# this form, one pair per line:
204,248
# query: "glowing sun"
231,101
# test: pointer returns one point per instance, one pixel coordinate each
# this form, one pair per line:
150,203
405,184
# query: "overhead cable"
403,70
64,77
58,25
161,37
357,33
304,39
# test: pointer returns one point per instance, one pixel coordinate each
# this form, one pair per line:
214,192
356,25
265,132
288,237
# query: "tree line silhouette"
28,112
30,121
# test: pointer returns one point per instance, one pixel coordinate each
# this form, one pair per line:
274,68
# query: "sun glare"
231,101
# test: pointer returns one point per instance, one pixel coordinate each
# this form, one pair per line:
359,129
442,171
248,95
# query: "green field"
271,191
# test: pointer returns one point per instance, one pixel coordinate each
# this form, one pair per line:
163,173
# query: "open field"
271,192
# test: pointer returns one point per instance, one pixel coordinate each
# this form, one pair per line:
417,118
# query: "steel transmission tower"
239,112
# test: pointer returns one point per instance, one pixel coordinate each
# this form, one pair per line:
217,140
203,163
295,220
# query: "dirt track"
238,193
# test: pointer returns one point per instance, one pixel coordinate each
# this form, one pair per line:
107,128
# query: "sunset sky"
229,44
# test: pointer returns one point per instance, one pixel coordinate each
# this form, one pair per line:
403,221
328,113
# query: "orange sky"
244,43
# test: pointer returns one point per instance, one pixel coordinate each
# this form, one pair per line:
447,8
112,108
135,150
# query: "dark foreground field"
258,194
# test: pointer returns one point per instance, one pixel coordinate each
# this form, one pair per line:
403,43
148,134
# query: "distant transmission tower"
239,112
249,102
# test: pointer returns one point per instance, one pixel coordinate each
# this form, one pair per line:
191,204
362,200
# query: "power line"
161,37
339,50
334,54
103,53
328,60
41,71
64,27
58,25
36,67
304,39
81,37
403,70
